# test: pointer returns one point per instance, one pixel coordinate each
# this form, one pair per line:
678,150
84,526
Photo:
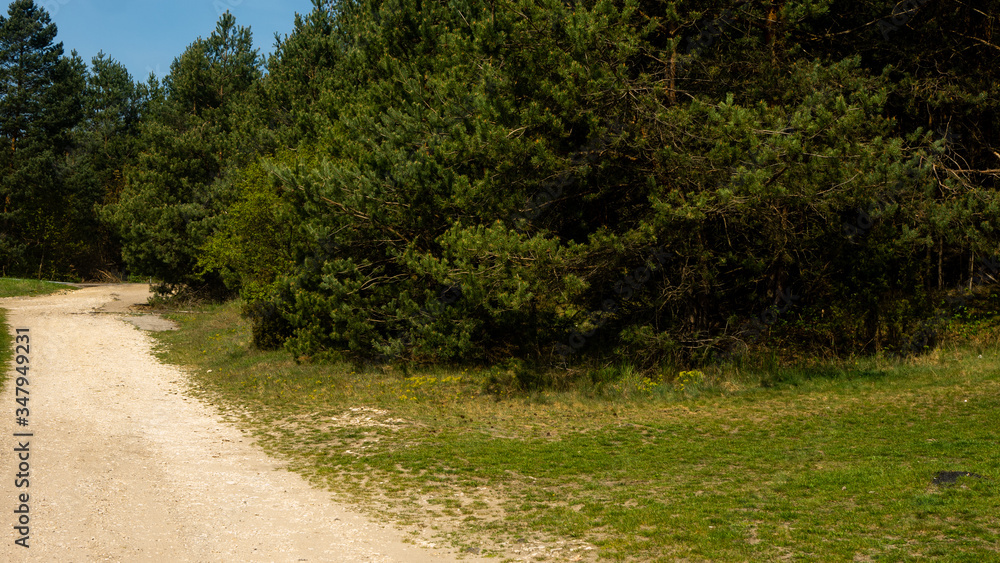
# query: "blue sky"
146,35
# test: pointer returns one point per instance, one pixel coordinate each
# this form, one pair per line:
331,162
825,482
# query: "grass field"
11,287
833,462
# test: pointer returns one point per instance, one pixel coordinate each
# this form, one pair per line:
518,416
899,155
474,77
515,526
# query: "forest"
538,181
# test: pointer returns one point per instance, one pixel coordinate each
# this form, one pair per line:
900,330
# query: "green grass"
821,463
11,287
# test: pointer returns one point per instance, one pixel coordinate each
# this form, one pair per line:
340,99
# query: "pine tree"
176,189
29,58
538,155
41,94
106,143
525,177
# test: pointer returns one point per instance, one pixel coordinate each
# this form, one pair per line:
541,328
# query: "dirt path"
124,467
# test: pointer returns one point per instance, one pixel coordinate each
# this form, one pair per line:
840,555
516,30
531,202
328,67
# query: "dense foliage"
537,179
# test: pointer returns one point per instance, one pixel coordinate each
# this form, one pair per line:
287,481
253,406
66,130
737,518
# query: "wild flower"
688,380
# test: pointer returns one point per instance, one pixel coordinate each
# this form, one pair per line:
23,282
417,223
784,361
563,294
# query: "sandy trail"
124,467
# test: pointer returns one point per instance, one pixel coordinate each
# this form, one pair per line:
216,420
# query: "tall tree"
106,142
177,188
29,58
114,105
41,93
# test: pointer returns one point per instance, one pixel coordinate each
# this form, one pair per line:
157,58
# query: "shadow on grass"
798,376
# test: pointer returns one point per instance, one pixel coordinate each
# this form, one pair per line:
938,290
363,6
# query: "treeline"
67,134
551,181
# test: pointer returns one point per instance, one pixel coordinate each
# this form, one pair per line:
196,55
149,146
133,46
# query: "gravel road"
123,466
